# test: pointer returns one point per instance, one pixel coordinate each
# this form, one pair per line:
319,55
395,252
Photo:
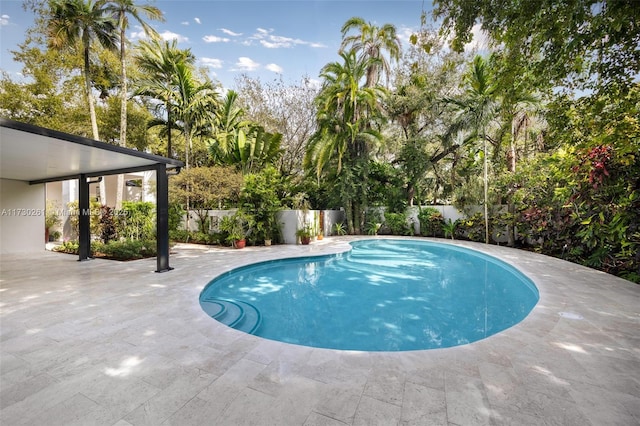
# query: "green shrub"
118,250
183,236
449,228
107,225
471,228
339,228
94,217
124,250
398,223
136,221
176,216
71,247
431,221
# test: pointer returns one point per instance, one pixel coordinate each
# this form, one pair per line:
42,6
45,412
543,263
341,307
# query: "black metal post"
84,219
162,218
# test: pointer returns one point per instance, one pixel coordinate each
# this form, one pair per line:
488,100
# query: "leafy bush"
94,218
118,250
183,236
71,247
176,214
124,250
107,225
237,226
471,228
260,199
431,221
449,228
137,220
339,228
398,223
374,221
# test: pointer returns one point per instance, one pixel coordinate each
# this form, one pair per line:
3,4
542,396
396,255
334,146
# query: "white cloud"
185,23
211,62
215,39
246,64
197,20
405,33
269,45
4,20
313,83
229,32
480,39
139,34
275,68
273,41
168,35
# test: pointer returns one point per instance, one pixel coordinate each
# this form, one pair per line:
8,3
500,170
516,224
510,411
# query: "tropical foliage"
540,130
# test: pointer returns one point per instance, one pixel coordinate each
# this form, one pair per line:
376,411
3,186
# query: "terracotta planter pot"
239,244
305,240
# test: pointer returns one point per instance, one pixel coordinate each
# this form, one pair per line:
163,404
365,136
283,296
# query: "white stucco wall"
21,217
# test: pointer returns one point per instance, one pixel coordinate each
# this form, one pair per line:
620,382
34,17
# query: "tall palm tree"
195,108
342,119
475,109
71,21
196,105
346,111
230,120
121,10
370,41
158,61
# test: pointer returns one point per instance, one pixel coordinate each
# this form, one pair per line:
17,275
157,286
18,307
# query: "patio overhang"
40,155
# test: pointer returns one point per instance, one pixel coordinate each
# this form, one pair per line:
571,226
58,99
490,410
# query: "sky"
265,39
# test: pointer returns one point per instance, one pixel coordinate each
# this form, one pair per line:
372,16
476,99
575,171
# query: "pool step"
236,314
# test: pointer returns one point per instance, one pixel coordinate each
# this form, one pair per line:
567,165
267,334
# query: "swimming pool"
383,295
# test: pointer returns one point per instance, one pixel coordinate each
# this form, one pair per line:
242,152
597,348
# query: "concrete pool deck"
113,343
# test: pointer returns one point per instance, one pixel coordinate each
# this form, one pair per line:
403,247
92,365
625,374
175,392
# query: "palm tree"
342,119
371,41
121,9
158,62
71,21
475,109
196,105
230,119
345,133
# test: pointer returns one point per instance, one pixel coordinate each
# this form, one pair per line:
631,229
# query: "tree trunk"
511,208
92,112
123,115
169,154
87,88
186,164
486,190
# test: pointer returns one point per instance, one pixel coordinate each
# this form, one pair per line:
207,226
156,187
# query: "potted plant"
237,226
267,228
305,233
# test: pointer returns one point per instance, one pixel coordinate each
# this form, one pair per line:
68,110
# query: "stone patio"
113,343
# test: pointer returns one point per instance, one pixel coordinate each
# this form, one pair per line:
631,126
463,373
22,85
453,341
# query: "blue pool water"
383,295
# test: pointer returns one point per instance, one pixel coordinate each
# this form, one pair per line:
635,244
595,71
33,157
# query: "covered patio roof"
36,154
39,155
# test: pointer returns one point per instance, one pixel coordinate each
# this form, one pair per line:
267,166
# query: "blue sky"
265,39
